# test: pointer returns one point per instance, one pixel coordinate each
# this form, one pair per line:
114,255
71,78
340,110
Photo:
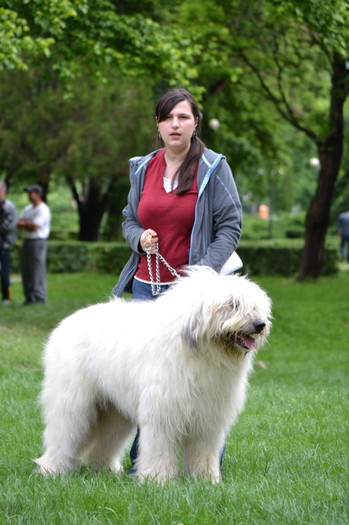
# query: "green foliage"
281,257
16,43
77,256
85,34
276,257
327,19
281,226
108,257
57,142
286,460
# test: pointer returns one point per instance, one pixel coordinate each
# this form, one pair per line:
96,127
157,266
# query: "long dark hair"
167,102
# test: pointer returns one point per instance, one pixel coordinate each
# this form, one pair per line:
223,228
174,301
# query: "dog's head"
230,310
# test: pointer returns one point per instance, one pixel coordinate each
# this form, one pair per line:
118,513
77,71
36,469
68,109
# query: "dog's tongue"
249,342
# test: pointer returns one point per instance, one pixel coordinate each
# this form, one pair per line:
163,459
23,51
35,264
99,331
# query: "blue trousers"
143,291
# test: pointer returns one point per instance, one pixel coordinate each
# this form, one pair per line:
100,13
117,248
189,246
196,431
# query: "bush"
275,257
78,256
284,225
107,257
281,257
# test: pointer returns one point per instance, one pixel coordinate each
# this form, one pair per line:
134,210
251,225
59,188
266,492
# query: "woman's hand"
149,240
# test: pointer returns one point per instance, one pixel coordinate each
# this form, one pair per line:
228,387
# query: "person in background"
183,203
35,222
342,230
8,235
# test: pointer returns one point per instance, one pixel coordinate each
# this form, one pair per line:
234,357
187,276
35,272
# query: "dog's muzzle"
243,340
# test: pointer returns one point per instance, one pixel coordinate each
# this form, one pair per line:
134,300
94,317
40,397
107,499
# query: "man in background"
343,230
8,235
35,222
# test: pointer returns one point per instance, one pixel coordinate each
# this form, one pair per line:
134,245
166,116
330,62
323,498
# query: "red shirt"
170,215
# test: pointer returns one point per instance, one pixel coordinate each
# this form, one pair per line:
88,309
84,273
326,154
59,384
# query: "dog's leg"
201,457
68,417
108,440
158,455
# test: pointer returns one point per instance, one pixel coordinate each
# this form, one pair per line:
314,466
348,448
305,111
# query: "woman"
184,196
182,203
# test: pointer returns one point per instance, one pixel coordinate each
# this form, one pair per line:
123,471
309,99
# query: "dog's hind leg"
108,439
68,418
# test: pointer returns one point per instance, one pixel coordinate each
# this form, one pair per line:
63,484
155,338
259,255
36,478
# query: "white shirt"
170,184
39,215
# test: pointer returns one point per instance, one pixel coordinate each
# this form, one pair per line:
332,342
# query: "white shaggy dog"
177,366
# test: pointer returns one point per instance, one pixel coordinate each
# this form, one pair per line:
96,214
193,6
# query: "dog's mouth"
247,342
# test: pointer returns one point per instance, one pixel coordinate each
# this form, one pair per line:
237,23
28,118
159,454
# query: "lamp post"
214,124
315,163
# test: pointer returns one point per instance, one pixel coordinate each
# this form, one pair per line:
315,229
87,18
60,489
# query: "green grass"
286,460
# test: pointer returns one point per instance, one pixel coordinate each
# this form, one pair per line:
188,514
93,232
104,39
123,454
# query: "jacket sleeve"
131,226
9,224
226,217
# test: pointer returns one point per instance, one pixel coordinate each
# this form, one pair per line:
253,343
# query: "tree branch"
288,115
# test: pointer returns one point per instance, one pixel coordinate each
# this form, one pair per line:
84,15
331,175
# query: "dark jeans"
143,291
5,273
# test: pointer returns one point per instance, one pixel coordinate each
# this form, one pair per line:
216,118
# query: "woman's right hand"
149,240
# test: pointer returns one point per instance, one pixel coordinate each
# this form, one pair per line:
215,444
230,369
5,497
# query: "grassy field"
286,460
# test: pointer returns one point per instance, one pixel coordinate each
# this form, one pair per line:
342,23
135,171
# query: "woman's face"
177,129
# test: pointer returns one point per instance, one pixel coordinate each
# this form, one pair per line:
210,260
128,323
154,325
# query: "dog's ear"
192,329
189,338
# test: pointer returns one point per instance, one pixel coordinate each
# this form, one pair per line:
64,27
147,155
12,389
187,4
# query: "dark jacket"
8,224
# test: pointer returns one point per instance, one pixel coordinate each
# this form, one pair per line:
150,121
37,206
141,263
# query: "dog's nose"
258,326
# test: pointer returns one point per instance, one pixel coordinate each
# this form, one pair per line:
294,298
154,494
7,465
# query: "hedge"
281,257
262,257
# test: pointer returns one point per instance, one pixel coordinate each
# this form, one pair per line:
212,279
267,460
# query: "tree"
84,140
66,41
106,126
94,35
293,54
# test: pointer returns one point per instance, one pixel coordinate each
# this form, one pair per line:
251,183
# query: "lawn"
286,460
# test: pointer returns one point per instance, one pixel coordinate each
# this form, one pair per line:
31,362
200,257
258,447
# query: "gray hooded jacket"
217,225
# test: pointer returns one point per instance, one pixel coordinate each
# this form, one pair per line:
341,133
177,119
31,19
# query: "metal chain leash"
155,286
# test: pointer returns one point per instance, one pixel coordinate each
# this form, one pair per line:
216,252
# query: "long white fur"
160,364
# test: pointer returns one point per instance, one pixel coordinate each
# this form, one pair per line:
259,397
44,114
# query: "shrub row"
281,257
77,256
259,258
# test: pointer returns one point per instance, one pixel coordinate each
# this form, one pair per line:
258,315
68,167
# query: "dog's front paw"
160,477
115,466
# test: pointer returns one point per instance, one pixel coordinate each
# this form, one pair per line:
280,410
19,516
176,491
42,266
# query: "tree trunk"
91,207
330,155
90,217
317,219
